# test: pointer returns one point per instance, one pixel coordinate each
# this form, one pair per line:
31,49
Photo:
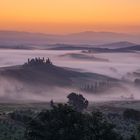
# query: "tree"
65,123
131,114
77,101
133,137
99,129
60,123
138,133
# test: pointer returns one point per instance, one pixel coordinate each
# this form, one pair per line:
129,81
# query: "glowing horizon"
65,16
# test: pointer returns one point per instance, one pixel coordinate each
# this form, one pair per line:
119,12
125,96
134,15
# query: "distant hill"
132,48
116,45
98,38
115,50
11,38
82,56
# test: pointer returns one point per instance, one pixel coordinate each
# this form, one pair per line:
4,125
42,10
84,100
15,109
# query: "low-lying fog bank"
121,66
118,64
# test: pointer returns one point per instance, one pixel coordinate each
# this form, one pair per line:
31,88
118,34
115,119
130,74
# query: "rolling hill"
49,76
116,45
11,38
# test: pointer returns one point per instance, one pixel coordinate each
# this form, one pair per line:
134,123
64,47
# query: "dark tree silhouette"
51,103
99,129
65,123
38,62
77,101
137,135
133,137
131,114
60,123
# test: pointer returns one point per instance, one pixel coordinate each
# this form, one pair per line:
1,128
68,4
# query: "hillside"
83,56
41,76
47,74
131,48
11,38
116,45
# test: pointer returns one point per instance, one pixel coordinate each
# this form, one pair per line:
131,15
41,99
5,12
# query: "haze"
119,65
84,24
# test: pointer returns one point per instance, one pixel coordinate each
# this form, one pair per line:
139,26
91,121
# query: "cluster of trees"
68,122
9,130
131,114
38,61
23,116
96,86
63,122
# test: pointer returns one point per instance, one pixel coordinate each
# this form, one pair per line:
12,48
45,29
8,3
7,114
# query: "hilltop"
41,73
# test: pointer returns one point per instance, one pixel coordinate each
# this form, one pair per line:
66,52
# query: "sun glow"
60,16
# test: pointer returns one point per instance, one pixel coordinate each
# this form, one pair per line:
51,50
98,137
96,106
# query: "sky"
66,16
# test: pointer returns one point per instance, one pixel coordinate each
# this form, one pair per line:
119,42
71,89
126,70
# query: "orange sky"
64,16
